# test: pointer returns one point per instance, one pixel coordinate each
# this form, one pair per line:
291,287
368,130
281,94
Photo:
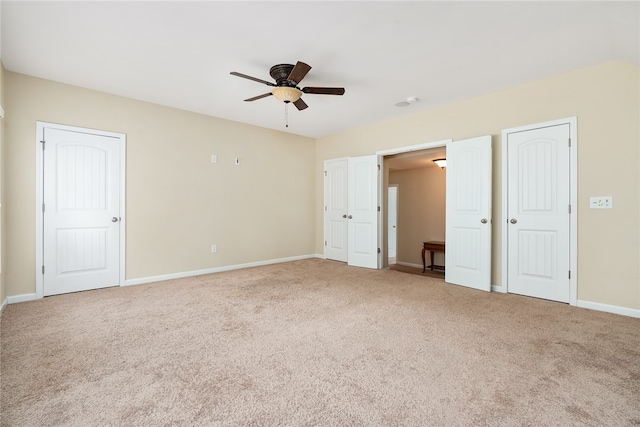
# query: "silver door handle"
513,221
114,219
484,220
344,216
349,217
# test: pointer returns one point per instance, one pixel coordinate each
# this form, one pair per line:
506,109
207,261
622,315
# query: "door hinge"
378,250
569,142
569,208
569,274
42,142
43,207
325,173
325,243
378,208
43,269
378,167
325,208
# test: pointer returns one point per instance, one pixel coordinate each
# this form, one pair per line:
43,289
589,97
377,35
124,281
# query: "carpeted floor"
315,343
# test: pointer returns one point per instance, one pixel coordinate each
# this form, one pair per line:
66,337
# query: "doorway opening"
416,209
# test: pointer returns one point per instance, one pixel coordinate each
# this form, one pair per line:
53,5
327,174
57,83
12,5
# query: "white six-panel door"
335,209
468,212
82,217
363,211
538,212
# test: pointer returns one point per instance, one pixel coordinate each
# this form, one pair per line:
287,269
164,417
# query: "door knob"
114,219
349,217
513,221
484,220
344,216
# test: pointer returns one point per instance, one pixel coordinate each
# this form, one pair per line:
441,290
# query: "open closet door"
468,199
363,211
335,209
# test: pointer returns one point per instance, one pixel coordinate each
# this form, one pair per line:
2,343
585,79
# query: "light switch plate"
601,202
214,158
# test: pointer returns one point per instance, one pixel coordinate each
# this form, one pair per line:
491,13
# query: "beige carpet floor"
315,343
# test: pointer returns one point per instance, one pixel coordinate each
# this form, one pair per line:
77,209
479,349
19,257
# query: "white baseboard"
4,304
624,311
498,288
21,298
171,276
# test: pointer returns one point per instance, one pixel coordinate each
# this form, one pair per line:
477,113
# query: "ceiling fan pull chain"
286,114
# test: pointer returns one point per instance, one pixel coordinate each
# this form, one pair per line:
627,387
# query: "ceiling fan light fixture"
286,94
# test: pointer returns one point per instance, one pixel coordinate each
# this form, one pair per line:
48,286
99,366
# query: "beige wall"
421,211
605,99
178,202
3,286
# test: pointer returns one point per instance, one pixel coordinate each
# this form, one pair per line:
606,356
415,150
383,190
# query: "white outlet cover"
214,249
601,202
214,158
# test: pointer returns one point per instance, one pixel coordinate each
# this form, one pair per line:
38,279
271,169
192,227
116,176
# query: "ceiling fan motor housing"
280,72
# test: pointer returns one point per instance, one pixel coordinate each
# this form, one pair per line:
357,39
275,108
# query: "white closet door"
81,220
335,209
468,198
538,212
363,211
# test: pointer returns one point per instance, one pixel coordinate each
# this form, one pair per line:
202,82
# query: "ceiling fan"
285,89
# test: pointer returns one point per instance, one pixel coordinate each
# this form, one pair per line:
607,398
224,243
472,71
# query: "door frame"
573,201
122,140
382,217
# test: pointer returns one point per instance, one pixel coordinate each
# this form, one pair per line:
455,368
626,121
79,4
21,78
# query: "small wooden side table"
432,247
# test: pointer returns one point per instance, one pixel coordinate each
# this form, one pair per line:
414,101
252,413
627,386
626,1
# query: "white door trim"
573,197
40,126
408,149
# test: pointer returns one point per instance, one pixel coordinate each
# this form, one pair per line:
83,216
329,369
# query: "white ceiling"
180,54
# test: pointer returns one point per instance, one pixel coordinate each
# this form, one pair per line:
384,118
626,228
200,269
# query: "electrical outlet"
214,158
237,161
214,249
601,202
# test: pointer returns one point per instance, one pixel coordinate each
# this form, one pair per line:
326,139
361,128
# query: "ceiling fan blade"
300,104
324,90
255,79
299,71
264,95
